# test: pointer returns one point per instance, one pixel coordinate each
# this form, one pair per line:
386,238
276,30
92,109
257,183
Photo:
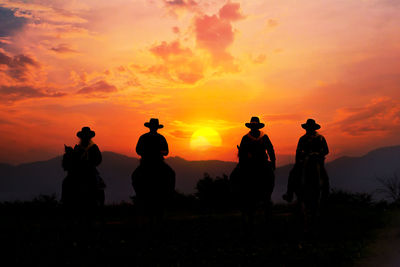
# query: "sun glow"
205,138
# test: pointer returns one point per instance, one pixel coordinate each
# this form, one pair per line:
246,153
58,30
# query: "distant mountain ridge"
25,181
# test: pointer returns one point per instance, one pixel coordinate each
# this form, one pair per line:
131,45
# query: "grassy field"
37,233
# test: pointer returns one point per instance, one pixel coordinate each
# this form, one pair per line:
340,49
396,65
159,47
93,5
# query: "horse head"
67,160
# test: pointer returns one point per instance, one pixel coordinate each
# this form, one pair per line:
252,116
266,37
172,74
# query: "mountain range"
25,181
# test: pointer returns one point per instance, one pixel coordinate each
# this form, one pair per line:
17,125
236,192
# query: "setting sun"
205,138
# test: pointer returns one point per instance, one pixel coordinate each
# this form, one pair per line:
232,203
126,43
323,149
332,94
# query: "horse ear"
238,147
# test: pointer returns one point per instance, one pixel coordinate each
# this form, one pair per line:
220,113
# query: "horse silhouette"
308,179
154,185
80,190
153,180
309,189
252,184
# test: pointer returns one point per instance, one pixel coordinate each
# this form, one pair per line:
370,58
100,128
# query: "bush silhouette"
390,188
214,193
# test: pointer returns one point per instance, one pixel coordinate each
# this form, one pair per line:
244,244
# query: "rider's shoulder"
304,136
246,136
320,136
145,135
161,136
94,146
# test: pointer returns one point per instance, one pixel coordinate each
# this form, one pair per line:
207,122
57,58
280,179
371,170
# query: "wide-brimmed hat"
85,132
153,123
311,125
255,123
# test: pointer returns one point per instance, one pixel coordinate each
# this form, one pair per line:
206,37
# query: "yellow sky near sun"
112,65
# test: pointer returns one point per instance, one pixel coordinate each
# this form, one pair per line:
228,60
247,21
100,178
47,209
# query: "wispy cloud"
63,49
179,64
17,67
380,115
9,23
16,93
100,87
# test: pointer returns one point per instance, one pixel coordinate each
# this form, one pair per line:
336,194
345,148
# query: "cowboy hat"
153,123
310,124
85,132
254,123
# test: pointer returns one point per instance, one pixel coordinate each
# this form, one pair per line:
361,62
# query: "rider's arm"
139,147
95,157
270,150
299,150
243,151
324,147
164,147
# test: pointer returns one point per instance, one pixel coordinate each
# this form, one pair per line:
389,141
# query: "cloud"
98,87
176,29
41,12
167,50
17,67
179,64
174,5
380,115
9,23
215,33
259,59
180,3
181,134
271,23
15,93
63,49
231,12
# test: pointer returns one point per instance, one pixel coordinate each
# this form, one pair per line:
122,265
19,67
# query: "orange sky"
112,65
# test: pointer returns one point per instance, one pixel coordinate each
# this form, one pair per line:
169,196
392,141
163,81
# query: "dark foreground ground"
37,234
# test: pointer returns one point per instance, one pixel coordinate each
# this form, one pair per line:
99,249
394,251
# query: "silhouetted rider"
152,146
153,180
83,185
255,145
253,178
311,144
87,152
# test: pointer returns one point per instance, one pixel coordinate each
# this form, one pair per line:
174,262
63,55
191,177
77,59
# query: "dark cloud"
174,6
63,49
15,93
9,23
6,122
17,66
181,3
98,87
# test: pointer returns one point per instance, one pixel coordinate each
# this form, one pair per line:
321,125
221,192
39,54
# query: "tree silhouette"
390,187
214,193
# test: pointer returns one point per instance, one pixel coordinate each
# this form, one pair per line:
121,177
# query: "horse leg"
247,219
268,211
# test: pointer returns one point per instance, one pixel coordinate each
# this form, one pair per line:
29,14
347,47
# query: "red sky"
112,65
